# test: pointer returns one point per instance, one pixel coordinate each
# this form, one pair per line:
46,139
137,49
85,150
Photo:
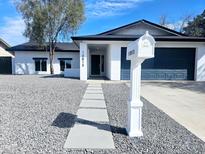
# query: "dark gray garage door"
5,65
168,64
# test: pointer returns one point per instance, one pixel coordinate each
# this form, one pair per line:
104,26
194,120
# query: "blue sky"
102,15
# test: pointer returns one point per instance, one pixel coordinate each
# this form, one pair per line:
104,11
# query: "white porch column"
83,61
134,103
200,64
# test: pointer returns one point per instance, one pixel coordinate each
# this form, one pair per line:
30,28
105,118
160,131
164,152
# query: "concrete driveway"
183,101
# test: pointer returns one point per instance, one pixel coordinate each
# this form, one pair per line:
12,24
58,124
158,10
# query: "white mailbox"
137,52
141,48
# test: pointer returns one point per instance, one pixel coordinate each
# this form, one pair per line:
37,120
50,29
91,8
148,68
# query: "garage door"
5,65
168,64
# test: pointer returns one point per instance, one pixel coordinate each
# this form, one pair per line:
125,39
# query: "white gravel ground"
36,114
161,133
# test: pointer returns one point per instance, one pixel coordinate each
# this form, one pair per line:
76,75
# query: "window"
65,63
40,64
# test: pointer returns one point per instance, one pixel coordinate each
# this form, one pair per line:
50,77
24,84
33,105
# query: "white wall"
24,63
73,72
200,64
115,57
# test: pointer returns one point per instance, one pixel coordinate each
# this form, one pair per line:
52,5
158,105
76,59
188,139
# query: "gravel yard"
36,113
29,106
161,133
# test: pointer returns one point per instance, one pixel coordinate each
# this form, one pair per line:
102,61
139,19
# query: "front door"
95,64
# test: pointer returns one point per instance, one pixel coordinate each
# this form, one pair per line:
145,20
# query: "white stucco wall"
200,64
115,56
24,63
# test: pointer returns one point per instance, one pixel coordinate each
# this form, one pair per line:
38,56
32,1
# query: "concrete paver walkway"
91,129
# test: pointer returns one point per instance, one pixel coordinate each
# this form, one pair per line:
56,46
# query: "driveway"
183,101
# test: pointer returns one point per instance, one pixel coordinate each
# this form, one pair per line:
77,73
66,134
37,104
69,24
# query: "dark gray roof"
109,35
31,46
134,37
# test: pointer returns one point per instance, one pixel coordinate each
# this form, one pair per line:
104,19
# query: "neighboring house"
6,58
177,57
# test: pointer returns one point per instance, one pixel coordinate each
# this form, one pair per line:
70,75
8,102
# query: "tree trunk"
51,56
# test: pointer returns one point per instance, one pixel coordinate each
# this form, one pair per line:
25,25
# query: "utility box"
141,48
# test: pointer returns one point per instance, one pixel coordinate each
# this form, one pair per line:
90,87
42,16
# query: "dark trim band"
39,58
65,58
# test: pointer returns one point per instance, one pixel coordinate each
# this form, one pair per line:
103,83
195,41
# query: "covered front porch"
100,59
96,60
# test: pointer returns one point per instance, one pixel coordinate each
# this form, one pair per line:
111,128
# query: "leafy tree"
48,21
196,27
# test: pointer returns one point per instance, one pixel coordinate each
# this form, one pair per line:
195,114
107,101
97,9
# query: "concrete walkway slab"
93,96
93,103
94,88
93,114
87,131
90,136
94,92
94,85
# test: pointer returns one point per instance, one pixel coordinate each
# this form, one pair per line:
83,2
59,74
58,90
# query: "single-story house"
6,58
177,56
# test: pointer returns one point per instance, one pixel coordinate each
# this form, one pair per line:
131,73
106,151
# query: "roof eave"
132,39
34,50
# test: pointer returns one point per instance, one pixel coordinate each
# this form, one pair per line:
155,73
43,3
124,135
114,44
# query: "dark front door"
5,65
95,64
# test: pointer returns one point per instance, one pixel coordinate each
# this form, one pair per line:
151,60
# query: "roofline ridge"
144,21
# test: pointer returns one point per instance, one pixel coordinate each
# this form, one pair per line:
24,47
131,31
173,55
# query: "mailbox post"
137,52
